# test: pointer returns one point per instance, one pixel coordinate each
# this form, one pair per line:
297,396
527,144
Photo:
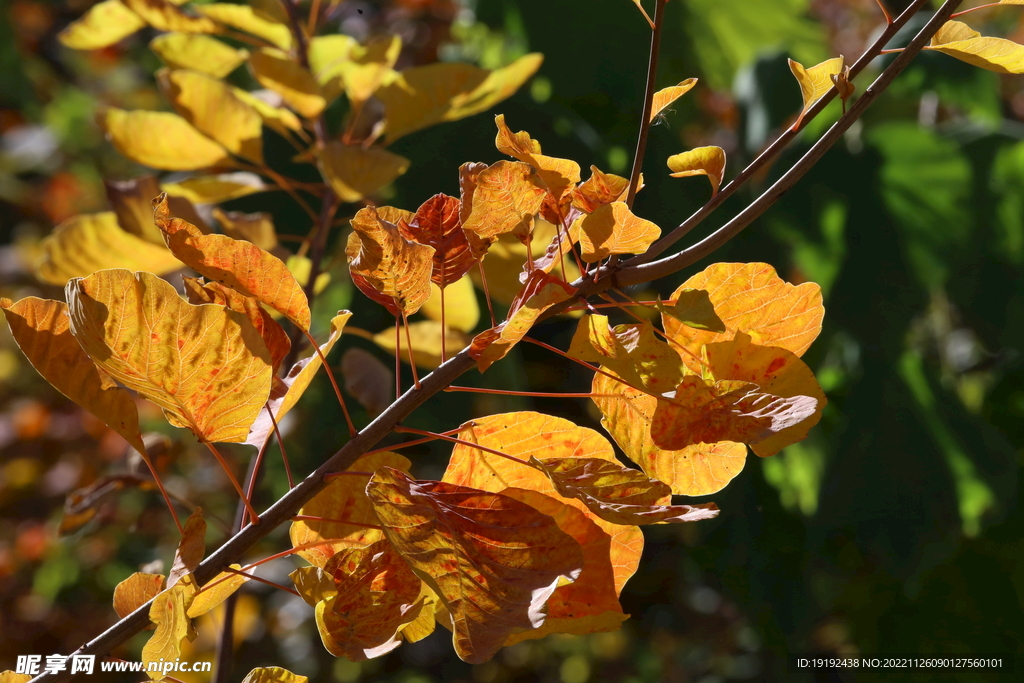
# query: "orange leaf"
599,189
613,229
751,298
501,198
526,434
343,499
778,372
437,225
238,264
41,328
618,494
376,595
273,334
726,410
559,175
206,366
632,352
709,161
136,591
814,81
540,292
386,266
191,548
492,560
696,470
667,96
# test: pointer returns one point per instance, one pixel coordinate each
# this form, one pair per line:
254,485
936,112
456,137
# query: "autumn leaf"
209,189
387,267
425,95
959,40
725,410
165,16
251,20
666,96
13,677
524,435
257,228
197,52
709,161
104,24
492,560
696,470
751,298
618,494
88,242
216,591
559,175
191,548
633,352
274,70
161,140
277,118
313,584
437,224
211,106
132,201
503,198
367,67
273,674
613,229
237,264
206,366
287,391
376,595
136,591
462,311
814,82
506,267
344,498
599,189
426,342
355,172
540,292
173,626
41,328
692,308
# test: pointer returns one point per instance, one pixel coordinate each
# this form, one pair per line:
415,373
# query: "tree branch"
645,118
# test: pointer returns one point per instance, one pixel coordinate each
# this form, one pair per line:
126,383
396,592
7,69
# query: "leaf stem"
268,582
538,394
975,9
462,442
284,453
334,383
234,481
645,119
885,12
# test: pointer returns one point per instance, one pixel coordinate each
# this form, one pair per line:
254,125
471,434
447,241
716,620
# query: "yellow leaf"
213,189
83,244
559,175
136,591
505,264
313,584
666,96
301,267
959,40
355,172
165,16
492,560
132,201
257,228
104,24
368,67
212,108
709,161
815,81
273,674
197,52
206,366
275,70
191,548
173,626
216,591
238,264
693,308
344,498
504,198
600,188
425,95
327,55
693,471
426,342
613,229
161,140
461,309
12,677
632,352
275,118
250,20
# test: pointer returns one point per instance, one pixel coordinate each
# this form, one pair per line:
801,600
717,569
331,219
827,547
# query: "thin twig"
645,119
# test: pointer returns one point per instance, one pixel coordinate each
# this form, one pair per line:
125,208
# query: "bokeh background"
896,527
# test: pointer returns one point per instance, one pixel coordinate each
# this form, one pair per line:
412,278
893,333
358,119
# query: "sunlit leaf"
355,172
206,366
751,298
136,591
210,106
166,16
438,225
313,584
693,308
505,264
613,229
238,264
368,67
173,626
666,96
692,471
425,95
13,677
492,560
382,261
632,352
41,329
273,674
191,548
197,52
275,70
540,292
216,591
503,198
426,342
709,161
599,189
814,81
327,57
376,595
104,24
527,434
277,118
212,189
161,140
344,498
959,40
250,20
89,242
559,175
461,308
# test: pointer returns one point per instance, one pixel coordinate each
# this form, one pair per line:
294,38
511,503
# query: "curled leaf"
104,24
197,52
503,198
558,175
355,172
613,229
666,96
709,161
191,548
178,146
599,189
169,613
959,40
814,81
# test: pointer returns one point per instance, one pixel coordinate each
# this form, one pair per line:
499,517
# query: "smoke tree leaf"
666,96
613,229
161,140
104,24
251,20
709,161
814,81
197,52
355,172
276,71
959,40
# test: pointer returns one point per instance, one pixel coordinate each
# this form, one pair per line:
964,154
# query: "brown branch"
645,119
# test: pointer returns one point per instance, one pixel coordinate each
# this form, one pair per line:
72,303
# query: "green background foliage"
896,527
